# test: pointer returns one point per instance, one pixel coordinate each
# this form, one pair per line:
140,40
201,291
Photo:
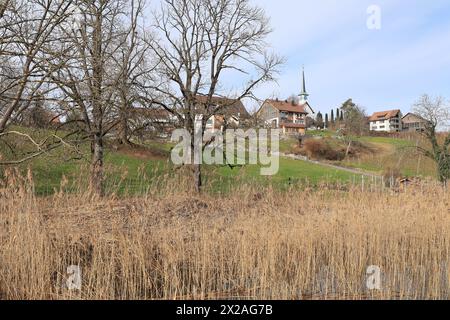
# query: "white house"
386,121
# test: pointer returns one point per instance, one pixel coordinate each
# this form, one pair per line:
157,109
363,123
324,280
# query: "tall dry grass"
309,244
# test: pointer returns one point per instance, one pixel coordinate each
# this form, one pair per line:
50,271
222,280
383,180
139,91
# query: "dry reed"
253,244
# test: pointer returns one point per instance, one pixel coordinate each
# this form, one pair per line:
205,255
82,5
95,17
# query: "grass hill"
373,154
134,169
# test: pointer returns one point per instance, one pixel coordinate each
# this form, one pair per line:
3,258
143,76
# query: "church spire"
303,95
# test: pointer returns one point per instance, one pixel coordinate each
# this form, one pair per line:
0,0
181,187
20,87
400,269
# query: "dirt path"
328,165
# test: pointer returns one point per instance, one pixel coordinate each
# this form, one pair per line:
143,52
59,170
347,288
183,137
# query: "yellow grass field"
309,244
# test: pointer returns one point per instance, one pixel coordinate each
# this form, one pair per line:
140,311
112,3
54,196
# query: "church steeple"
303,95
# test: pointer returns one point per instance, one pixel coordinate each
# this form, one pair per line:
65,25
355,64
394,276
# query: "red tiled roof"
287,106
384,115
292,125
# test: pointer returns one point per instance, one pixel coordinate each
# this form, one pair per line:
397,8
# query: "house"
386,121
154,121
289,116
160,122
231,113
414,123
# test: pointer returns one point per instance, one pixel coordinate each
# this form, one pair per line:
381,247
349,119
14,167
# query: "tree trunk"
348,149
197,178
97,166
123,131
189,125
9,110
98,72
124,111
3,6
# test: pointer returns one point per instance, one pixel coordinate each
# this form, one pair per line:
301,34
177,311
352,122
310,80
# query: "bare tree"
197,42
354,117
26,26
3,5
436,111
88,58
90,75
134,61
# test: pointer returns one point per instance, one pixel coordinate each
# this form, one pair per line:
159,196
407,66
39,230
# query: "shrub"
318,149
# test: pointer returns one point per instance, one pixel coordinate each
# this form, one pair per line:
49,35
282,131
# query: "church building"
289,116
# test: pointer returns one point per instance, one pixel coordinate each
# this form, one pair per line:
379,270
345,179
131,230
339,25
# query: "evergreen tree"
326,121
319,120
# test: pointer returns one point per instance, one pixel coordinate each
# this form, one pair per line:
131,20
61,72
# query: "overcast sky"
380,69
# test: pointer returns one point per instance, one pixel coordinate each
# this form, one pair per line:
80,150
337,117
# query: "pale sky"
380,69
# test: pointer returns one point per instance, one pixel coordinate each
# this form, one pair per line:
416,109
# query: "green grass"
388,153
156,145
286,145
123,172
396,142
363,165
291,170
126,173
301,170
393,153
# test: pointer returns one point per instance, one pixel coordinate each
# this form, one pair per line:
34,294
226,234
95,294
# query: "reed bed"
252,243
